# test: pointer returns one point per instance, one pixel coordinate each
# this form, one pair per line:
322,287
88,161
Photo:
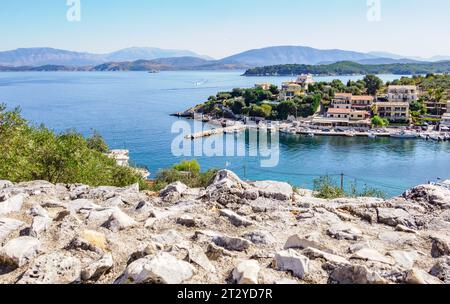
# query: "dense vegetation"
257,102
351,68
36,153
187,172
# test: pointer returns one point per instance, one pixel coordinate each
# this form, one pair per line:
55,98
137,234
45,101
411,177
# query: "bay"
131,110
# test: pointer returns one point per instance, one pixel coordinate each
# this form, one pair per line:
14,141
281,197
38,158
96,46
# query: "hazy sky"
223,27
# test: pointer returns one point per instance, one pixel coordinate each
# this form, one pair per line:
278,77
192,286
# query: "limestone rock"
5,184
420,277
405,259
274,190
90,240
215,252
187,220
441,270
440,246
82,204
119,221
8,226
162,268
246,272
369,254
53,268
176,188
314,253
232,243
228,179
12,204
312,240
20,251
430,194
289,260
235,219
95,270
259,237
197,256
356,274
342,231
393,217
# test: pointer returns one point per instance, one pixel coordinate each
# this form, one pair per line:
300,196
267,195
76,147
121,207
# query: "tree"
191,166
379,122
238,106
373,84
274,89
97,143
267,109
250,97
286,108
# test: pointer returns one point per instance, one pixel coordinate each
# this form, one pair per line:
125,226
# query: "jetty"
217,131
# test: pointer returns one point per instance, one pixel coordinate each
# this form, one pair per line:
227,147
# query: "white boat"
350,134
404,135
310,134
372,135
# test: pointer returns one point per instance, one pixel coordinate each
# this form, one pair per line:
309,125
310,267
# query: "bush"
36,153
191,166
192,178
326,188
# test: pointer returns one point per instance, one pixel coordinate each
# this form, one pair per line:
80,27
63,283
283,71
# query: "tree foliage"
36,153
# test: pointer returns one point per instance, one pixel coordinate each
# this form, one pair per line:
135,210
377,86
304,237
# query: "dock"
217,131
355,134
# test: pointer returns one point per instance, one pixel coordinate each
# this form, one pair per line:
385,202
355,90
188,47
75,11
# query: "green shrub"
326,188
184,173
36,153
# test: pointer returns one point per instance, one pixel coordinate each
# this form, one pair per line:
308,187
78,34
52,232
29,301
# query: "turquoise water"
131,110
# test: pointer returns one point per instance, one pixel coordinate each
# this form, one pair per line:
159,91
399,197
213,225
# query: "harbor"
227,126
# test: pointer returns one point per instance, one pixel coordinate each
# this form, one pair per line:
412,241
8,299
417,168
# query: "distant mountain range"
142,59
48,56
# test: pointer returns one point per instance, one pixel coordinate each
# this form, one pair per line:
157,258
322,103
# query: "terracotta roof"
338,111
346,95
362,97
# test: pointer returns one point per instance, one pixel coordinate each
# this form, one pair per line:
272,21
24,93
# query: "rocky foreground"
230,232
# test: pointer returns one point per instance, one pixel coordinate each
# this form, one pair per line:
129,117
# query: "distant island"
198,64
277,60
351,68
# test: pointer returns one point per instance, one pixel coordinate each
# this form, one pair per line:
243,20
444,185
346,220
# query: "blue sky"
223,27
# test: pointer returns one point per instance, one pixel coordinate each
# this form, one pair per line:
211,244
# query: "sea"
131,110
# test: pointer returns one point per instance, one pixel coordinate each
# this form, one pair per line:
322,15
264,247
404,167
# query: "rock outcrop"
230,232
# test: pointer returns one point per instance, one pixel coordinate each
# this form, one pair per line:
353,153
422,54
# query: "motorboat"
404,135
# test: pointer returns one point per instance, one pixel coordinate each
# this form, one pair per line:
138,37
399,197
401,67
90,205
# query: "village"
386,114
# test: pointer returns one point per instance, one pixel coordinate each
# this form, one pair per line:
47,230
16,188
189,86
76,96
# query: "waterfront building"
338,113
393,111
405,93
342,101
289,90
364,102
305,81
359,115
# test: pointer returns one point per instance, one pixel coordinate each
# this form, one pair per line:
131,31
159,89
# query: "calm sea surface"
131,110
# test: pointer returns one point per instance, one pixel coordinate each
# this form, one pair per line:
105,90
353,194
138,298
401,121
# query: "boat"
310,134
372,135
350,134
153,72
404,135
